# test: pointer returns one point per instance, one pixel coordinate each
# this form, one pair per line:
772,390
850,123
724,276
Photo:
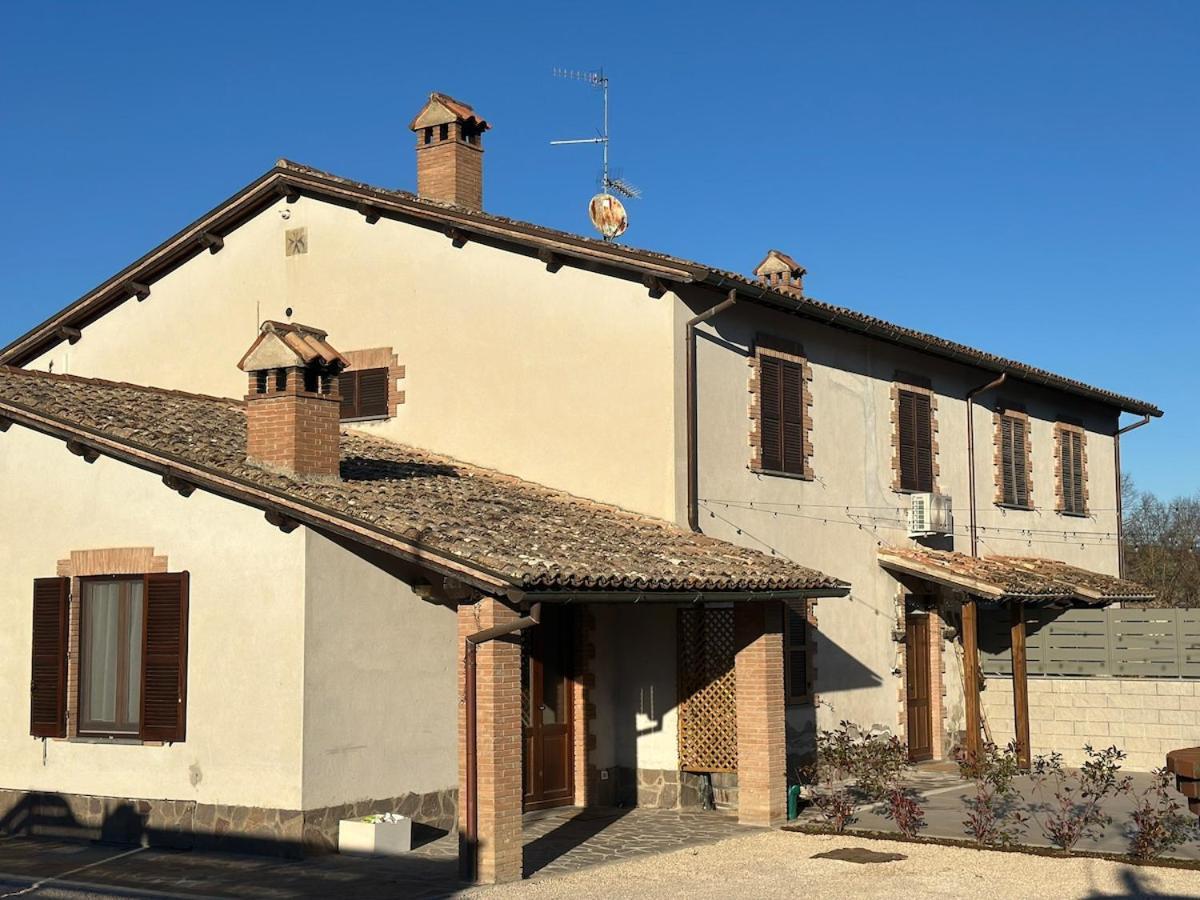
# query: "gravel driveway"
779,864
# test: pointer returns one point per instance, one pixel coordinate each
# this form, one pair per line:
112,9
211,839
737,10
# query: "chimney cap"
441,109
283,344
778,262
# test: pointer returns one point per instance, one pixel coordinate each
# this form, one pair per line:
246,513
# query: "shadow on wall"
838,670
994,635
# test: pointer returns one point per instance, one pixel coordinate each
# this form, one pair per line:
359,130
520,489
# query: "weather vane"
606,211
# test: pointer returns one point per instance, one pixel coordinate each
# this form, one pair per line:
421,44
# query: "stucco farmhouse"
346,499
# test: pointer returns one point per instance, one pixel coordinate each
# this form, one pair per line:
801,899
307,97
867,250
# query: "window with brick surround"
131,651
1013,459
1072,470
780,409
796,671
914,431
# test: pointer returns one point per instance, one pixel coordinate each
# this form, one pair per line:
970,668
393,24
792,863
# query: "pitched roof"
1025,578
500,530
289,178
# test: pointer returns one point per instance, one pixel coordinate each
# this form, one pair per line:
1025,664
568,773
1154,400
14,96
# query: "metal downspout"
693,477
994,383
469,853
1120,505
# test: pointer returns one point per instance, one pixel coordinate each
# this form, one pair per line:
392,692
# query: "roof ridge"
117,289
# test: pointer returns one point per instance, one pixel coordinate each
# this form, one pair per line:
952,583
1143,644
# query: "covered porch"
609,709
959,584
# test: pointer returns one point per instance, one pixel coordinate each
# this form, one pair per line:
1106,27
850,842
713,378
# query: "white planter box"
384,834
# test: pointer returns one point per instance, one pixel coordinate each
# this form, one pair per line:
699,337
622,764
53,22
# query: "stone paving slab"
555,842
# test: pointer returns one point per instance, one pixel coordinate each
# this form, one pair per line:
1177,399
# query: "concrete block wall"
1145,717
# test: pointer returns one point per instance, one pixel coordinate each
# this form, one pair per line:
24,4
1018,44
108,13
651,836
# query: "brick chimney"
293,409
450,152
780,272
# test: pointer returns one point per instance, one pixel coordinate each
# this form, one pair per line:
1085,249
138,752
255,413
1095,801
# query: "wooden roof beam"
138,289
213,242
87,454
178,485
284,523
69,334
553,261
457,236
5,424
289,192
369,212
654,286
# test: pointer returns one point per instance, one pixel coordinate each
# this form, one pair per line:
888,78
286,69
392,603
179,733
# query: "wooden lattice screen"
707,691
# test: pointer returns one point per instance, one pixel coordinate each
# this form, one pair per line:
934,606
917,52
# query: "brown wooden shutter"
916,442
770,413
1020,463
1071,453
796,653
48,678
372,392
164,657
348,388
1008,489
792,417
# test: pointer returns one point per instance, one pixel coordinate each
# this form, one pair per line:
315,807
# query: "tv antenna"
607,212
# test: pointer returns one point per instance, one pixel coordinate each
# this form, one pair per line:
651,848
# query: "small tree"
1076,807
853,765
993,818
905,811
1159,823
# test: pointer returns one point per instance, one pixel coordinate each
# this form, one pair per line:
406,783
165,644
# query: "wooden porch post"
1020,682
970,639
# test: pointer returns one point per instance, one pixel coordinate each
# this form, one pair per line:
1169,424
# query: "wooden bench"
1185,766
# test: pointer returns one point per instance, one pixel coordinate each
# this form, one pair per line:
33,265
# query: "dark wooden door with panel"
917,687
547,714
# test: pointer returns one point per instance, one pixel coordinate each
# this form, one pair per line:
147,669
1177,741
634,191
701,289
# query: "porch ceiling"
1027,579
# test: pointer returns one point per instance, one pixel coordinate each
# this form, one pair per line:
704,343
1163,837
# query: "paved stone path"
556,841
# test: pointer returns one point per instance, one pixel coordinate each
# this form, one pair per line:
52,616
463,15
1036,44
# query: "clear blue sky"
1018,176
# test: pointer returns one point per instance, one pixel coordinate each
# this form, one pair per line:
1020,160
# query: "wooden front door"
920,718
549,777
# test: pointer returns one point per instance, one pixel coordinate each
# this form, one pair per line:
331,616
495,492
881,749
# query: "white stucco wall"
563,378
636,720
380,685
245,630
836,522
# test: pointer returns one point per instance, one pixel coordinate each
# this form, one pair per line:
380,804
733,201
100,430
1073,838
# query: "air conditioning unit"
929,514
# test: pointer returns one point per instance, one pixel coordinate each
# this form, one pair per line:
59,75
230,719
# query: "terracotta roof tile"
535,537
1013,577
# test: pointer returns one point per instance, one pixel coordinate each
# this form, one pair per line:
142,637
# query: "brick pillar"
498,732
583,709
937,690
761,730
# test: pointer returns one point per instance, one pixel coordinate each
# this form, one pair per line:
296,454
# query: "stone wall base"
186,824
673,789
